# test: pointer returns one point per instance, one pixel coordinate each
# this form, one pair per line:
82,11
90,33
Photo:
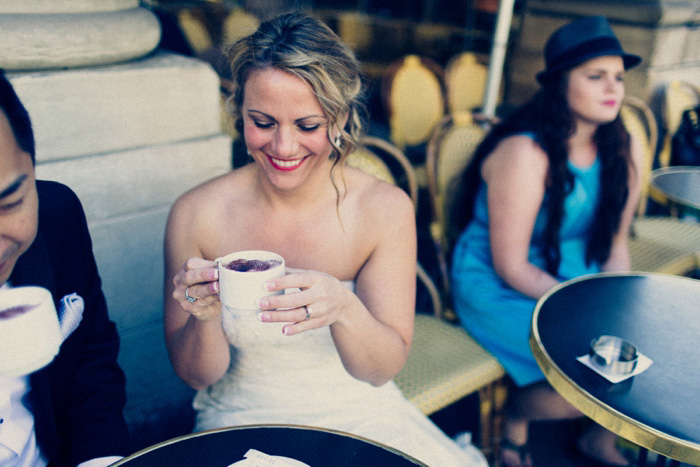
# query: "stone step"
53,38
156,100
117,184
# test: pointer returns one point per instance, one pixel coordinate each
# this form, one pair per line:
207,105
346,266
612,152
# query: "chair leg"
500,396
492,403
486,406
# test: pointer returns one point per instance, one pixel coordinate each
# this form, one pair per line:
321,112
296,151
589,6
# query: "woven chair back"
640,122
450,149
414,99
465,82
386,162
237,24
355,29
194,27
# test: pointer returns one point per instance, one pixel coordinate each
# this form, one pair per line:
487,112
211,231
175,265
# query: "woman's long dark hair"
548,117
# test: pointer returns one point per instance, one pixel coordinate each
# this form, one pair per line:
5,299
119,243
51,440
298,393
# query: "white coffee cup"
243,290
30,334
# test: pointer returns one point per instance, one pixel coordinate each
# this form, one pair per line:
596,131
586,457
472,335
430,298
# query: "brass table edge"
196,434
604,415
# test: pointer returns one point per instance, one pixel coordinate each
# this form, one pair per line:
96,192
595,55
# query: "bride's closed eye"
309,128
263,125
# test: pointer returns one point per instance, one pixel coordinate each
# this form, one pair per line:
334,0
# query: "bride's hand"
198,280
322,301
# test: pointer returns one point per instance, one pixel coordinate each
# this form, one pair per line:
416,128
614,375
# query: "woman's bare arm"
515,174
194,337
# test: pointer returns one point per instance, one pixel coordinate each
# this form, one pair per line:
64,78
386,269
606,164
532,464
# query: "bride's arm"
194,336
374,337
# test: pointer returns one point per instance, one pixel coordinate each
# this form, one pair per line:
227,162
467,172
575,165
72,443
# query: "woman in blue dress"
549,195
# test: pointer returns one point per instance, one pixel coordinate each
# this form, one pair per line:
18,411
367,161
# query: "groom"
70,412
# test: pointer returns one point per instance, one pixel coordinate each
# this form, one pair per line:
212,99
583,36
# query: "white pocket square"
70,314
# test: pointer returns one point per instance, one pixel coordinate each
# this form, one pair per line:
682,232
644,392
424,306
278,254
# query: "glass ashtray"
614,355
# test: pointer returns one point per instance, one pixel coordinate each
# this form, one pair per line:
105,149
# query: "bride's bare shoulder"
376,196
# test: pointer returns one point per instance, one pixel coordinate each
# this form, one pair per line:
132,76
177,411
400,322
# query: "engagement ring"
192,299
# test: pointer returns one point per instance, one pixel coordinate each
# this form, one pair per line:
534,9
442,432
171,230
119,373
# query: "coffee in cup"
30,334
242,276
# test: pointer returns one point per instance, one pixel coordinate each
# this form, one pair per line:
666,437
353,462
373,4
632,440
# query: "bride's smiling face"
285,128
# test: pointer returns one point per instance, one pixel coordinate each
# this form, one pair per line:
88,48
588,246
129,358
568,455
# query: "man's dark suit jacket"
77,400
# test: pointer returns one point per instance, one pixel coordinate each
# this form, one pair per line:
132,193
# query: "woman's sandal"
523,451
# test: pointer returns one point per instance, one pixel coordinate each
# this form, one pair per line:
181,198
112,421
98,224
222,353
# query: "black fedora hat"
581,40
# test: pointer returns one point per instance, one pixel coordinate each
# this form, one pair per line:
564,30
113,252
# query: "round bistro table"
658,409
680,185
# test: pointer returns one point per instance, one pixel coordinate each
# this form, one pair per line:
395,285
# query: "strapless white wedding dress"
301,380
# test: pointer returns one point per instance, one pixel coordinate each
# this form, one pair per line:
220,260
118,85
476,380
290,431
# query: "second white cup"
30,335
242,276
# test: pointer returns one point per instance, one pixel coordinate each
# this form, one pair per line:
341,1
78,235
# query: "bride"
324,353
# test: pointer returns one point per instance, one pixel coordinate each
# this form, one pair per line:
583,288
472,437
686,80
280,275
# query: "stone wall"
129,133
665,33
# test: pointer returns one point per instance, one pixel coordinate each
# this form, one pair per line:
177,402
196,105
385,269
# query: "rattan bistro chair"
450,148
465,82
193,24
678,96
413,97
657,244
445,364
238,23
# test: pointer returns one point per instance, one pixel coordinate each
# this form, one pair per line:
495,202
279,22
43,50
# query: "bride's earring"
336,140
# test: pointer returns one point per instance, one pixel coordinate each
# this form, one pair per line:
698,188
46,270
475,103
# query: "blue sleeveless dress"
491,311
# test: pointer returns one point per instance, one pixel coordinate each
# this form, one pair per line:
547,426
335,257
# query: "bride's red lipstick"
287,165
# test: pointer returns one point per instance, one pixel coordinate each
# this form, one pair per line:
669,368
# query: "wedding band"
308,315
192,299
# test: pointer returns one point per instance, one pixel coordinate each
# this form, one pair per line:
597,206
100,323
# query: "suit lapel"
34,267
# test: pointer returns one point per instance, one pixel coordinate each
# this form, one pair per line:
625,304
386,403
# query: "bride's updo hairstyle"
306,48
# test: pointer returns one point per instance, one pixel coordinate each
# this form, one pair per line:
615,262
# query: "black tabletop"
660,314
681,185
315,447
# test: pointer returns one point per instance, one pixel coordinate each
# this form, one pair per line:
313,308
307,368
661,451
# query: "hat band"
603,44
